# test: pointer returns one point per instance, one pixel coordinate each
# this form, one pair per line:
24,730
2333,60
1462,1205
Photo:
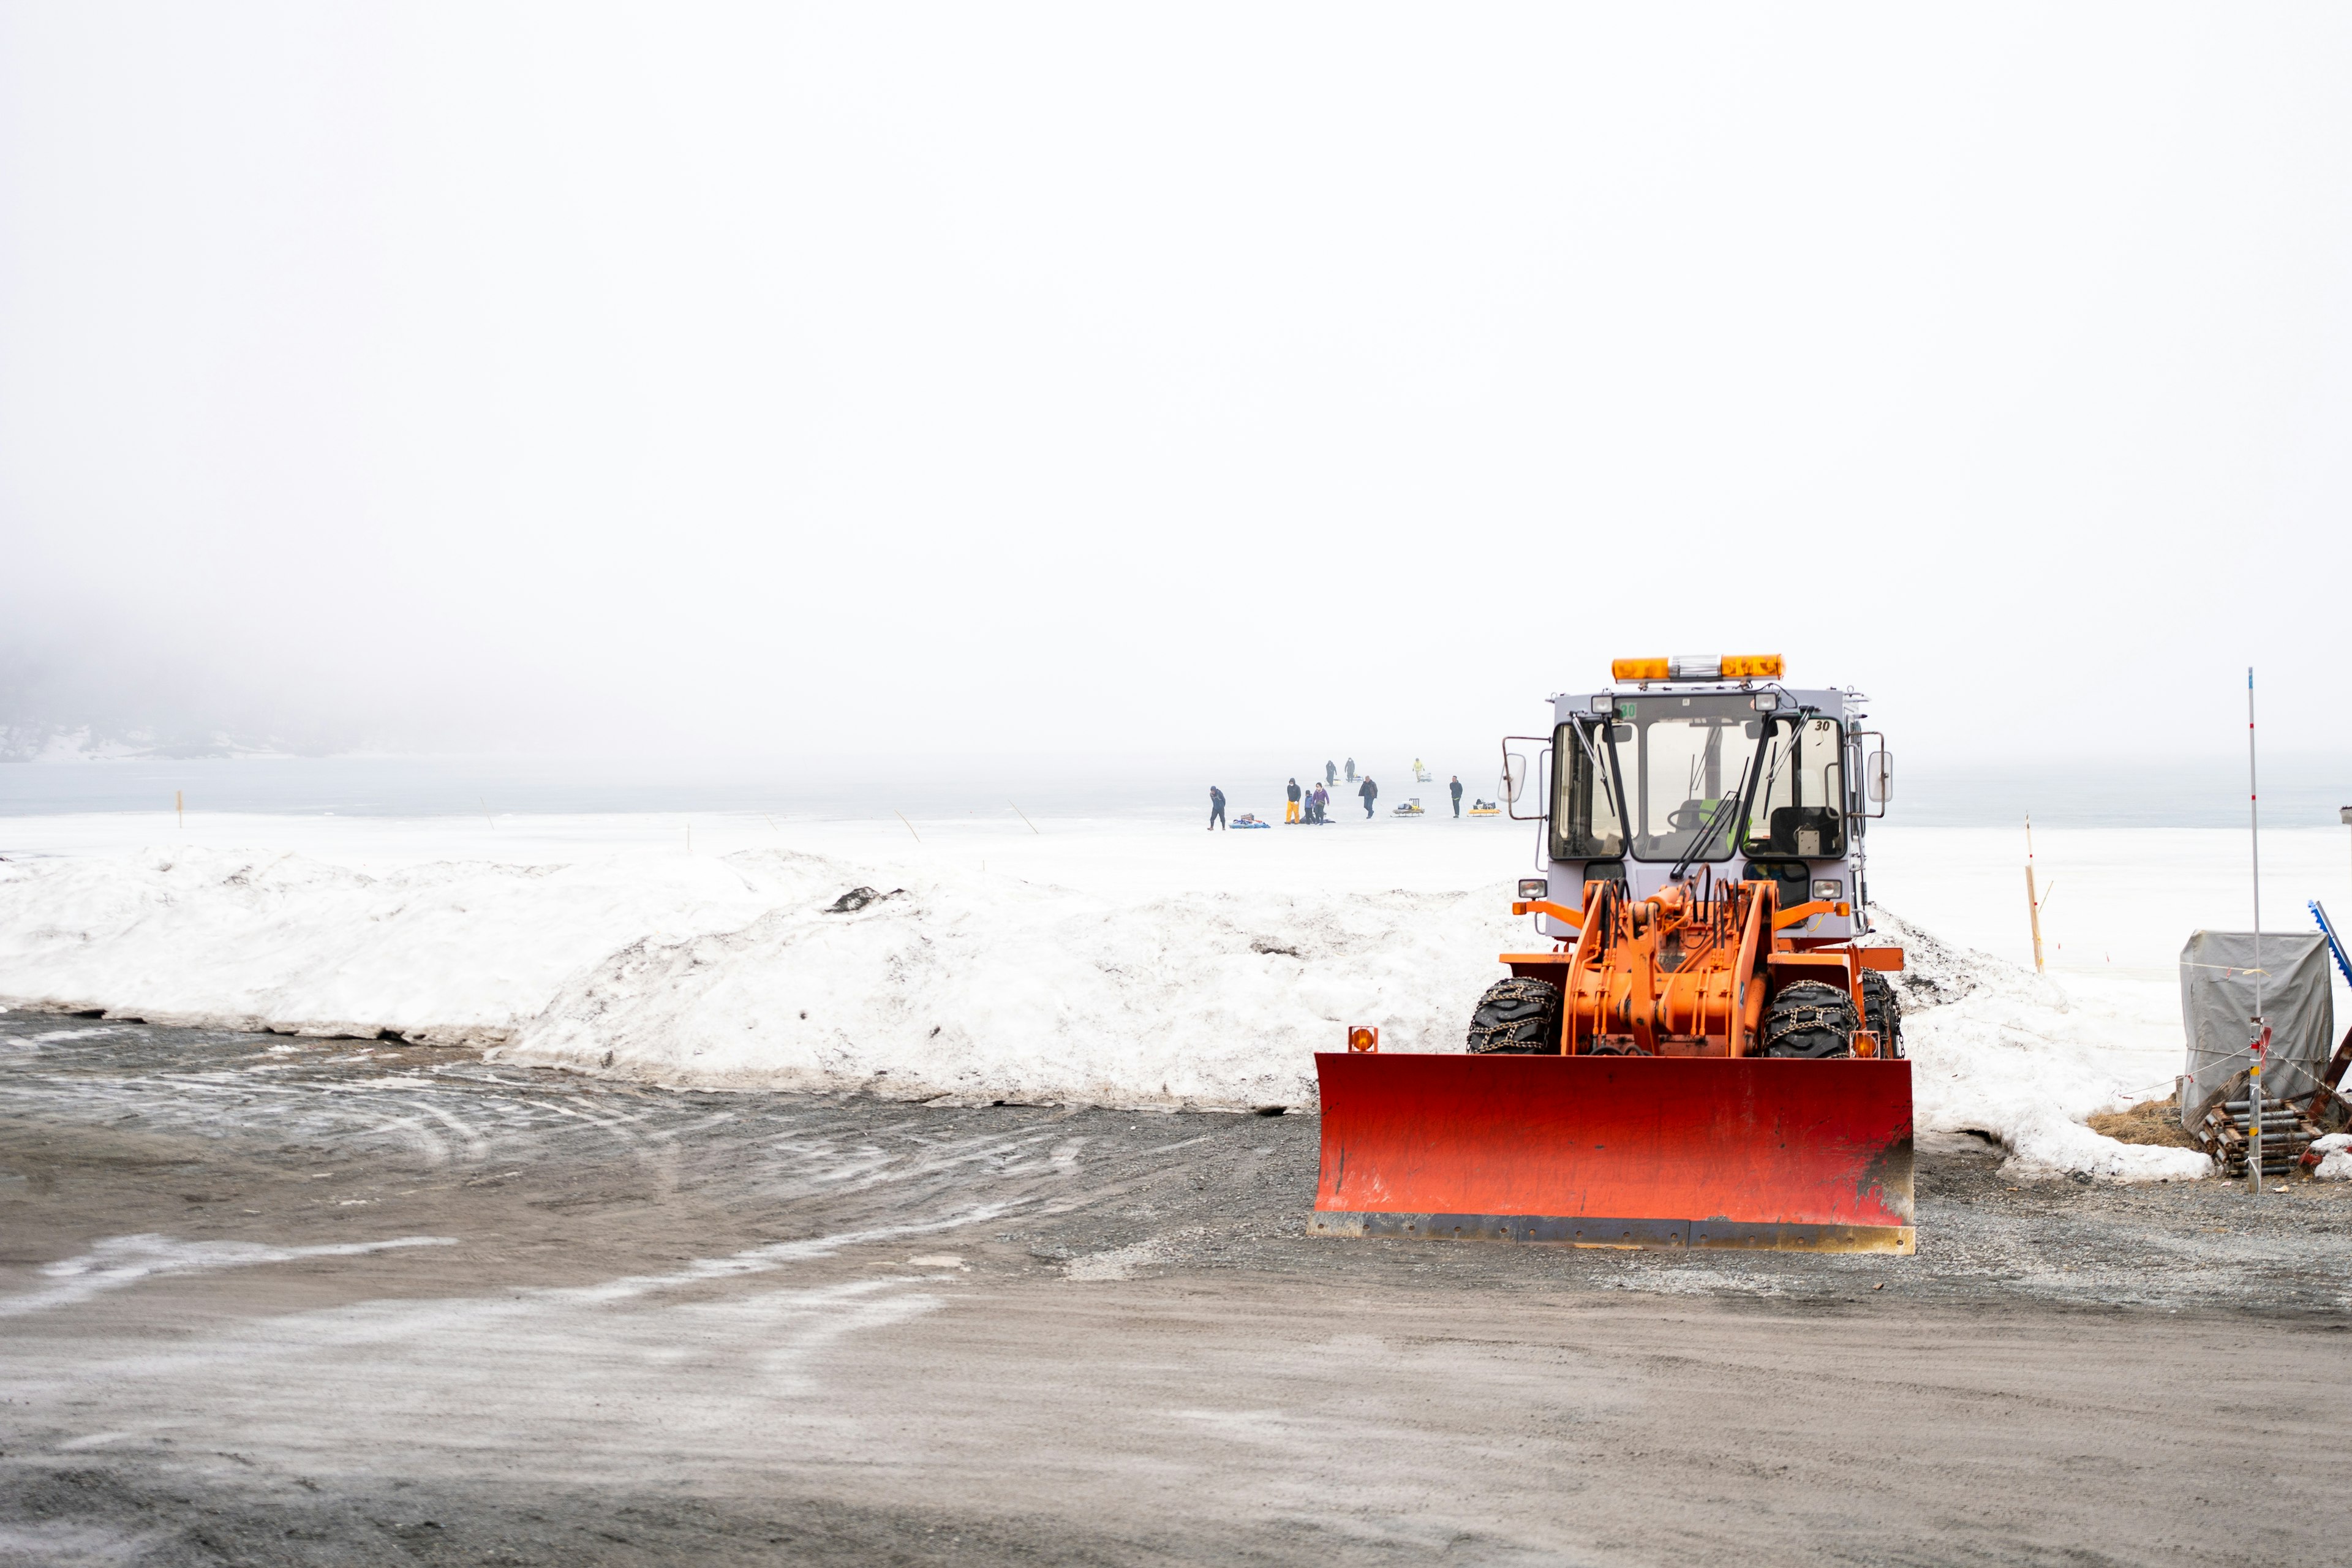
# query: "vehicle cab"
1703,769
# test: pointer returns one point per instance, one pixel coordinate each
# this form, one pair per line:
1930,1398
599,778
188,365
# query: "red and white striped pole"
2261,1032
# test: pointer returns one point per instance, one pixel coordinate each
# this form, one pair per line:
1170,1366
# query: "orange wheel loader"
1705,1054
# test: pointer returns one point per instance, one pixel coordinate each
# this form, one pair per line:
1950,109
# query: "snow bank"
731,972
452,953
985,990
1997,1049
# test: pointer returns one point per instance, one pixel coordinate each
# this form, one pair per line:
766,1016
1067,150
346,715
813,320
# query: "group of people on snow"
1312,803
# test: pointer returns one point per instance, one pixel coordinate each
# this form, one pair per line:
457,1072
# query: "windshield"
1584,821
1801,792
1684,761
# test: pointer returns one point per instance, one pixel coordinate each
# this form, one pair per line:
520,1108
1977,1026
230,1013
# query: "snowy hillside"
35,743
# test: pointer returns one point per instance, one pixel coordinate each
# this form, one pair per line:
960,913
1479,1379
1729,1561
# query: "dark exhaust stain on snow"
858,899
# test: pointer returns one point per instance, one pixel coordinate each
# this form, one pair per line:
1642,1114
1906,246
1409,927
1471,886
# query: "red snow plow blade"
1618,1151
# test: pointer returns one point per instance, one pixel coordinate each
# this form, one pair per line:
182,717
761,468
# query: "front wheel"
1517,1018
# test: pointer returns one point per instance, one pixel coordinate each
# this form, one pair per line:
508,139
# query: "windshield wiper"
1726,810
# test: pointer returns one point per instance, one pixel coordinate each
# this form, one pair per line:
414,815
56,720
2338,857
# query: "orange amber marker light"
1696,667
1361,1039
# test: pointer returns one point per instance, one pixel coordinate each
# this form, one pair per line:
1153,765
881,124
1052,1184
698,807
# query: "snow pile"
450,952
959,986
1996,1048
752,969
738,972
2334,1151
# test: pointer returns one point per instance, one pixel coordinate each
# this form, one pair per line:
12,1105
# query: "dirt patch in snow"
2156,1122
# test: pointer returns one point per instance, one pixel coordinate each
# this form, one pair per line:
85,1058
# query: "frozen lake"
2297,791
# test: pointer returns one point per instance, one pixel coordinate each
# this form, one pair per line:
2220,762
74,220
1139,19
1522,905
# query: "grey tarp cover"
2217,998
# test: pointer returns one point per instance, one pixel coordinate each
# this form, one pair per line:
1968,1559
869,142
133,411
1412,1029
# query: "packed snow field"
1105,961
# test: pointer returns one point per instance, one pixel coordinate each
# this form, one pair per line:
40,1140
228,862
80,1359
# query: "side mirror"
1515,776
1880,776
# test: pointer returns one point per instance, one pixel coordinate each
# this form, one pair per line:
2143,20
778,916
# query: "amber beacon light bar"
1699,666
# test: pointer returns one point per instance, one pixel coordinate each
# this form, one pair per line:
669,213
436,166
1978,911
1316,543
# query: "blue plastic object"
2335,944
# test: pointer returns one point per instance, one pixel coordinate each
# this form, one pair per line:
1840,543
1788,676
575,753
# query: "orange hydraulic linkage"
1675,974
1679,975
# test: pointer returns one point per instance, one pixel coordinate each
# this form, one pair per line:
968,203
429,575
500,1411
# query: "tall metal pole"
2254,1074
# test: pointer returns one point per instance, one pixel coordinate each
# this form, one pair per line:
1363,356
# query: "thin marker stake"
1024,818
911,827
2033,904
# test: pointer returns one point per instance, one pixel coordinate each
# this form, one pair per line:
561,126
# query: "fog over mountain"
1041,380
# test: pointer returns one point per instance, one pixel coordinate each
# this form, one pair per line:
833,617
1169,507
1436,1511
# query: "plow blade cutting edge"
1618,1151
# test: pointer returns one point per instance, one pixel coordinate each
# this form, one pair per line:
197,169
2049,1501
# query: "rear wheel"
1812,1020
1882,1009
1517,1016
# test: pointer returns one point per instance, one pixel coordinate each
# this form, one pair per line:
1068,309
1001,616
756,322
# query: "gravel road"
266,1300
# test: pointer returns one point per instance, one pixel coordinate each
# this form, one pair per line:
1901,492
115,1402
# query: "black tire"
1517,1018
1810,1020
1882,1009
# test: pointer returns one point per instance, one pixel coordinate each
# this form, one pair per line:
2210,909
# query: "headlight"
1534,888
1828,890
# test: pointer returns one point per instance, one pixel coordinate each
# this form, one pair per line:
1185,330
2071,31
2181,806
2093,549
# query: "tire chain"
1531,1001
1837,1015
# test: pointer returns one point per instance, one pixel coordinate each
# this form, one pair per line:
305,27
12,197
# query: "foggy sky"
1096,380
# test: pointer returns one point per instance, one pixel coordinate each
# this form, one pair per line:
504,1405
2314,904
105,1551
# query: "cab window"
1801,790
1585,824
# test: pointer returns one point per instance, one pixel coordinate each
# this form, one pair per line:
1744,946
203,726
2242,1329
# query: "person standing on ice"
1455,788
1216,808
1370,792
1316,808
1351,769
1290,812
1330,773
